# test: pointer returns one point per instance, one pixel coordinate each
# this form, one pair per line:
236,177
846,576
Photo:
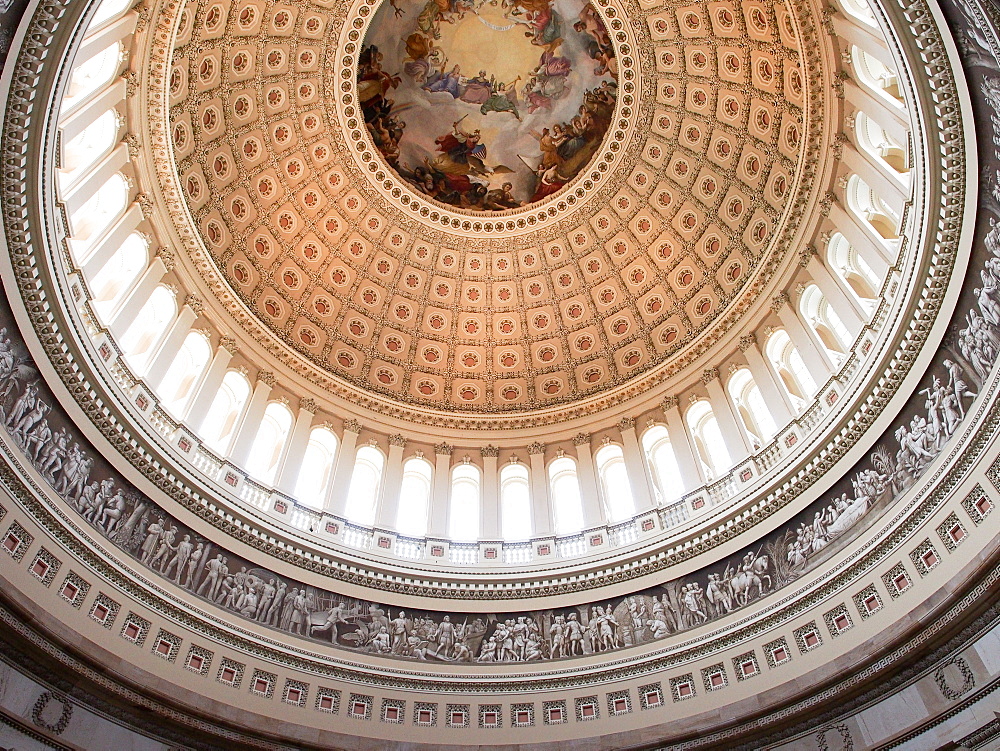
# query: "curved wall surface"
143,607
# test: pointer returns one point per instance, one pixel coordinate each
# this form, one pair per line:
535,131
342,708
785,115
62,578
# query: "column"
892,118
864,239
336,496
111,96
815,358
388,510
160,362
854,32
489,513
105,246
440,491
734,434
687,461
593,508
239,450
848,306
91,179
777,399
128,309
541,504
209,385
888,186
635,465
295,447
103,38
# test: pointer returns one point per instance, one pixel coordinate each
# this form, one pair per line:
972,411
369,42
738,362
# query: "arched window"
873,74
149,327
119,273
853,269
220,421
269,442
708,439
106,11
515,502
317,467
185,369
662,463
615,487
366,485
751,407
92,143
414,498
823,319
790,367
92,74
466,488
100,210
872,210
873,138
567,506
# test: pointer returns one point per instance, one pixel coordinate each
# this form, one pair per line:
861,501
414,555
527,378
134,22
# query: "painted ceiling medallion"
488,105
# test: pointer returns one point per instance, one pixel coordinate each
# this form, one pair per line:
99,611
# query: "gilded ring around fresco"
487,105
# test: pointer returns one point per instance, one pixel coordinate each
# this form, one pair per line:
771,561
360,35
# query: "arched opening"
750,406
708,441
366,486
269,442
107,11
662,463
148,328
100,210
90,145
185,369
872,210
219,424
824,321
317,467
466,490
567,506
790,368
118,275
874,74
612,475
92,74
873,138
515,502
850,266
414,498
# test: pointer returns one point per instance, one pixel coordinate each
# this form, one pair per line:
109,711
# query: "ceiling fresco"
488,105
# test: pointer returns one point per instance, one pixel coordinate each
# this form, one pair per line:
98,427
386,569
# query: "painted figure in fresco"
502,99
449,82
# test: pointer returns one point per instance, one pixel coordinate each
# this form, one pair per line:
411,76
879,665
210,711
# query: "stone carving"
945,683
228,343
41,713
842,734
155,538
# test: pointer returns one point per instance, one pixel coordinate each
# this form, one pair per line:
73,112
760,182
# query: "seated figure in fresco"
503,99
